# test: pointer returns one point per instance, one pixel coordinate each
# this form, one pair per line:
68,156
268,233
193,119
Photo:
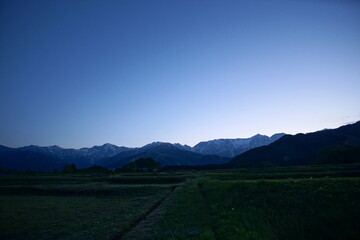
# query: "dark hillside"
28,161
300,149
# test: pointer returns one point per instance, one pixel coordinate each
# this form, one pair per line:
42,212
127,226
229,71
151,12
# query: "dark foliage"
69,168
196,167
140,165
94,170
340,154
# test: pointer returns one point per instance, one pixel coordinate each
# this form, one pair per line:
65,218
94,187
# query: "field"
76,207
314,202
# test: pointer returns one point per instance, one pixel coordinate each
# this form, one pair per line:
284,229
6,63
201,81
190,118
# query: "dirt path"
139,221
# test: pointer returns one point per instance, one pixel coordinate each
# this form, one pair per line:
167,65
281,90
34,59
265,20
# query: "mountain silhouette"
301,149
164,153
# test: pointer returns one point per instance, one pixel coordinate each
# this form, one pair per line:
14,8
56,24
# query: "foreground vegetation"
313,202
257,209
274,203
75,207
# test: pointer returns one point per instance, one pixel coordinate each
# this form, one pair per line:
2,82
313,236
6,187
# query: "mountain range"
233,147
38,158
83,157
165,154
341,145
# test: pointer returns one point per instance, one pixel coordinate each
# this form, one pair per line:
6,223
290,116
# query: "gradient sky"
130,72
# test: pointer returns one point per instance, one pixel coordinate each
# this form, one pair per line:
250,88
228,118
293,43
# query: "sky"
130,72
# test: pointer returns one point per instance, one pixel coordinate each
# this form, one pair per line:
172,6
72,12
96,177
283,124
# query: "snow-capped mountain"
83,157
234,147
165,153
99,152
177,145
211,152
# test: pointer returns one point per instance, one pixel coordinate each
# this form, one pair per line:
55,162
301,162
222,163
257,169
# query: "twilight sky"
130,72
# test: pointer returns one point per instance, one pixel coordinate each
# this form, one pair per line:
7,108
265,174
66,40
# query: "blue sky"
84,73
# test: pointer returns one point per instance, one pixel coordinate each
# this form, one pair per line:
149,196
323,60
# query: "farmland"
75,207
313,202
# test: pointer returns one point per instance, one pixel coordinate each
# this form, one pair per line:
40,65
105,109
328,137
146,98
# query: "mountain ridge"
300,149
113,156
165,154
232,147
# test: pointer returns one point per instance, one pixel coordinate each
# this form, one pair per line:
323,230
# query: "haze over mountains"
108,155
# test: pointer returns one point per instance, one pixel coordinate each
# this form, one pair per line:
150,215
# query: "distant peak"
159,144
278,134
259,135
32,145
108,145
154,144
54,146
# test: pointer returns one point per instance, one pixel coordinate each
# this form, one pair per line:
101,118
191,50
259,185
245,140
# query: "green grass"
157,179
287,203
127,178
72,207
315,171
285,209
51,217
311,208
186,217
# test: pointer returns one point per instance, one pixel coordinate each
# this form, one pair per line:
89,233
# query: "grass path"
205,209
139,221
183,215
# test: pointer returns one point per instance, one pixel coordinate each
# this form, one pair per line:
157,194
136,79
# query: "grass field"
314,202
72,207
